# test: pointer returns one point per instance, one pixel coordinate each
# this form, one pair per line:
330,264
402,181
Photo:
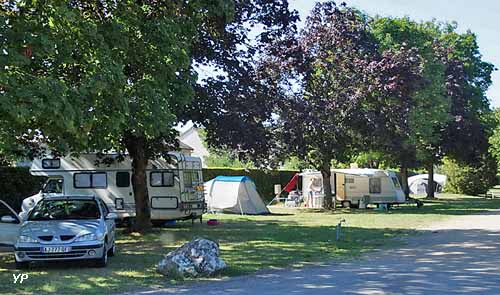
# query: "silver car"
60,228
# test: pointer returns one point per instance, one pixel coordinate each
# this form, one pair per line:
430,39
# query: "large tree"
108,75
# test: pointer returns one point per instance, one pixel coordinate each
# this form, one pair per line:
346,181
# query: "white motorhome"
354,186
175,186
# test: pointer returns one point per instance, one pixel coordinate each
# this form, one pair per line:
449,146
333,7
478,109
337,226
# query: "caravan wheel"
346,204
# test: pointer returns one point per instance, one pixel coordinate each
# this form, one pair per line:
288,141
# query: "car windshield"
65,209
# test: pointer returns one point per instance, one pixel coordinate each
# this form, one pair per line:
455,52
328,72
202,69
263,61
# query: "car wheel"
112,250
103,261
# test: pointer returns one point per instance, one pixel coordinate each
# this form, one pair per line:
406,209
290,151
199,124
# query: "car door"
110,223
10,224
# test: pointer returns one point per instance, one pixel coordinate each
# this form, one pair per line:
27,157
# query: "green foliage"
225,159
16,183
470,180
494,139
264,180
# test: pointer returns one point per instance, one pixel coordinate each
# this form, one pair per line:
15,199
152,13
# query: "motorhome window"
53,186
396,182
99,180
196,178
349,180
168,179
122,179
51,163
90,180
375,185
162,178
188,179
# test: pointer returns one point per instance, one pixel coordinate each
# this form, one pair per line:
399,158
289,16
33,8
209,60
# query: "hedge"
470,180
16,183
264,179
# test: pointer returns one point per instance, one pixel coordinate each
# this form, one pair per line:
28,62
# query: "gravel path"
458,256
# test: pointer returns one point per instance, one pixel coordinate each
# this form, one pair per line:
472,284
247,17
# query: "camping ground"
289,238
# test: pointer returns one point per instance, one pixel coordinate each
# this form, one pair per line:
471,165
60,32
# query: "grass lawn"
290,237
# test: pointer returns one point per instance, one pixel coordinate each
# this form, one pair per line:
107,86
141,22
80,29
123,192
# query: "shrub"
470,180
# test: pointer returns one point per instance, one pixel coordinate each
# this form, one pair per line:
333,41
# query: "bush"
264,180
470,180
16,183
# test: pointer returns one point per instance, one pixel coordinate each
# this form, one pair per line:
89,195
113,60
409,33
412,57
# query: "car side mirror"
8,219
111,216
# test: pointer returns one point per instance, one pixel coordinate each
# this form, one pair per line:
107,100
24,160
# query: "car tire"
112,250
103,261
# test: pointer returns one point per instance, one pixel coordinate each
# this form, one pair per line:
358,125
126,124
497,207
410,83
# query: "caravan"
354,187
175,186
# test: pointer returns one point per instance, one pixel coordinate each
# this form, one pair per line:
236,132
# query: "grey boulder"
200,257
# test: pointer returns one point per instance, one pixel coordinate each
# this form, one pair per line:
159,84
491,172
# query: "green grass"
291,237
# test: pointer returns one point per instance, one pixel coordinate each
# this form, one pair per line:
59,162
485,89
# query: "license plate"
60,249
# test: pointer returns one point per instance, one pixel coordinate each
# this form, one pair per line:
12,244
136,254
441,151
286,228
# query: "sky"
481,17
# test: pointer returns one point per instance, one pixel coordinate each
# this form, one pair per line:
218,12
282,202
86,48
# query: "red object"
213,222
290,186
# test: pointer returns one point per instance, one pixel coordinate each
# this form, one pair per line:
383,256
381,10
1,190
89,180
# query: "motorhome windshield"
65,209
53,186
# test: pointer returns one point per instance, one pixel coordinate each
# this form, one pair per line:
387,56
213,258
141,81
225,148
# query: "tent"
418,183
235,194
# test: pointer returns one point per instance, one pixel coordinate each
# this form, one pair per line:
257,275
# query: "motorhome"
175,185
354,187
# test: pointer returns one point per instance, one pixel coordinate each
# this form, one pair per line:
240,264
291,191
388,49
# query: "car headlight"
89,237
26,239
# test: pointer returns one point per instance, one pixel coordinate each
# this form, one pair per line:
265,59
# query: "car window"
104,208
65,209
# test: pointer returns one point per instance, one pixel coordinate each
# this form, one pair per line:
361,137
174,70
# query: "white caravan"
354,186
175,187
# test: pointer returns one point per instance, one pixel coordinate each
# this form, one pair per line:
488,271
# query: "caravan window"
375,185
51,163
163,178
90,180
122,179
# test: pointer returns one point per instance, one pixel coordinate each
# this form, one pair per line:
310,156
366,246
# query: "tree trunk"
136,149
404,180
329,202
430,182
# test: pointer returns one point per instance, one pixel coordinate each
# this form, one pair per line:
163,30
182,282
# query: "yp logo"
20,278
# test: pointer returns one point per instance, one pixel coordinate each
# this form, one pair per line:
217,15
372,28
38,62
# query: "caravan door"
340,186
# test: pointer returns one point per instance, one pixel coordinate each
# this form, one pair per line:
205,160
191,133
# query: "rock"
200,257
